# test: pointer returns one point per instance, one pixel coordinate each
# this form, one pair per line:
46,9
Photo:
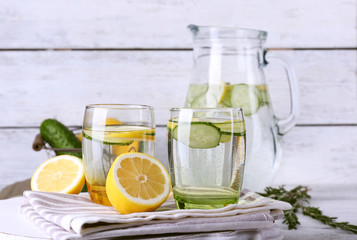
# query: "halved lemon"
137,182
64,174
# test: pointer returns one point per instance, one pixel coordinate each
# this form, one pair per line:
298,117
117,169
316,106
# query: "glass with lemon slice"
108,131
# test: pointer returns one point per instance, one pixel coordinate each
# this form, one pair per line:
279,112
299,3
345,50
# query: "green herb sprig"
299,198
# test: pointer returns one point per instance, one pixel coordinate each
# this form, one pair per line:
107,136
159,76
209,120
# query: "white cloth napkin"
66,216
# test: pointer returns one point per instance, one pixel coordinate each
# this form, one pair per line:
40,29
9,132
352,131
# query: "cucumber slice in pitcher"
246,97
263,91
212,97
194,91
200,135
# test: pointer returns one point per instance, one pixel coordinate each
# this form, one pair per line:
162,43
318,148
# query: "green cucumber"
194,91
210,98
227,128
205,100
225,138
200,135
58,135
246,97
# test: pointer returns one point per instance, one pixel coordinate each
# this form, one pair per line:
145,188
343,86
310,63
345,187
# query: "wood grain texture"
318,155
18,161
162,24
311,155
333,200
59,84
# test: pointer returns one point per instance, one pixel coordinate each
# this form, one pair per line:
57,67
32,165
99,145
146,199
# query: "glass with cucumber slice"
206,156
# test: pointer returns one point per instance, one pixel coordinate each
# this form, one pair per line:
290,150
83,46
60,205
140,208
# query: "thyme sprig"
299,199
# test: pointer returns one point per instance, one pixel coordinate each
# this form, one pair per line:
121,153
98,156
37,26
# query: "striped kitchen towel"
67,216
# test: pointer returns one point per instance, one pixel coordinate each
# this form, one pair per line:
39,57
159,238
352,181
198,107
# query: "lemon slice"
107,122
132,132
137,182
120,135
225,100
64,174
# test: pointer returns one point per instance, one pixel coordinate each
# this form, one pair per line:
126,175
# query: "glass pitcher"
228,71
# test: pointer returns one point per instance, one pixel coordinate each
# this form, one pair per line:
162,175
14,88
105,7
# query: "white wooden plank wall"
161,23
57,57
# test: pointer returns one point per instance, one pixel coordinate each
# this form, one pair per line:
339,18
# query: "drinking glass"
108,131
206,149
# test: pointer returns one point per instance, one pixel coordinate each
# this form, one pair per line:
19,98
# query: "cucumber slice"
237,128
194,91
200,135
212,97
105,139
226,138
245,97
205,100
172,123
263,91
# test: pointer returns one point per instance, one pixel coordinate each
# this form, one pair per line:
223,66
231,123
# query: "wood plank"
18,160
59,84
333,200
318,155
162,24
327,85
311,155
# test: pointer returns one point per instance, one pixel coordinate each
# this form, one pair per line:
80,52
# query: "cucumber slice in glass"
200,135
225,138
246,97
227,128
106,139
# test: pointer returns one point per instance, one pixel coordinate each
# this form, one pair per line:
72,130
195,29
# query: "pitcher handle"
287,123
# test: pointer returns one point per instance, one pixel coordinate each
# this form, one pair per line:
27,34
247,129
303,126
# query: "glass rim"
115,106
207,109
